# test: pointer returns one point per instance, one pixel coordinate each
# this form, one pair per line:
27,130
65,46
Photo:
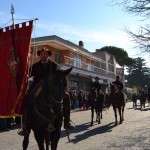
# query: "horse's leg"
123,112
26,140
96,111
54,139
99,121
92,115
115,112
47,140
120,114
39,139
101,110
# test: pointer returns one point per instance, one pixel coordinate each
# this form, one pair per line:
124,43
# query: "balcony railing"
85,66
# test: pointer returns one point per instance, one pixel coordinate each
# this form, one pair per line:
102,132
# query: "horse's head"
93,92
58,83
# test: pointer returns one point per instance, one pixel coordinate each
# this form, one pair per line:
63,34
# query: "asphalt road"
133,134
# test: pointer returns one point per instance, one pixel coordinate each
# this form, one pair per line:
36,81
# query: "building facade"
86,65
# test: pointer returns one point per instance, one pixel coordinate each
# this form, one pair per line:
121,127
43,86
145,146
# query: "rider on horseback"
118,83
38,71
96,85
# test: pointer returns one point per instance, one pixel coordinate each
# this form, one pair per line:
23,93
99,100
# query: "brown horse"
96,100
44,110
118,102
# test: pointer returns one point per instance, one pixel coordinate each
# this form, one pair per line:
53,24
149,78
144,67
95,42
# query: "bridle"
50,105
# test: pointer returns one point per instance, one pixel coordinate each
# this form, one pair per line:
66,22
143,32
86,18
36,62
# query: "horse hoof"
91,124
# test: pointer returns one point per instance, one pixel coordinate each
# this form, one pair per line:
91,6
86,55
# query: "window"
88,65
57,58
77,61
110,67
103,65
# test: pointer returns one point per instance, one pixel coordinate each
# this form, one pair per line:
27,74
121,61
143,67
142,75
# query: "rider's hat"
44,49
117,77
97,78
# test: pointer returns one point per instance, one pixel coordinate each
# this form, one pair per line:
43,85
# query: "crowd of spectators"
80,100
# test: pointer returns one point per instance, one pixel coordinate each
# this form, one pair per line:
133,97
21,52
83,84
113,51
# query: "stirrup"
20,132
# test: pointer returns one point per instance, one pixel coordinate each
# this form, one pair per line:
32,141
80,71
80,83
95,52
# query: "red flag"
14,50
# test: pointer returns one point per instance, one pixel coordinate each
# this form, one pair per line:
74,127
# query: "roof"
54,37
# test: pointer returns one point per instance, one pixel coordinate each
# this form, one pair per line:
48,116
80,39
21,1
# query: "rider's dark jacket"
41,69
96,85
118,83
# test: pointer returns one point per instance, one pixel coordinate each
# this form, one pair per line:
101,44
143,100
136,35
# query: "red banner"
14,66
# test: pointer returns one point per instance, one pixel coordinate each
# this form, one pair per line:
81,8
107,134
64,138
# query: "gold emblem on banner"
13,62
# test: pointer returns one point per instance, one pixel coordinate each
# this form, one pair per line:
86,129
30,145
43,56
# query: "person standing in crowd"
134,99
80,98
75,100
86,100
71,98
107,100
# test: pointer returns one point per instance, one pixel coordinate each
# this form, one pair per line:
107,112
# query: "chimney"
81,44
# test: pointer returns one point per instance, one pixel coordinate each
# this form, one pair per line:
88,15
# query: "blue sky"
96,22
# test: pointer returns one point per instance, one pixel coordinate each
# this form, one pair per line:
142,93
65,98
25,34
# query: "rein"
51,127
54,100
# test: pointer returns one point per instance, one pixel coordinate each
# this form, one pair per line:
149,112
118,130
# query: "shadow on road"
143,109
88,131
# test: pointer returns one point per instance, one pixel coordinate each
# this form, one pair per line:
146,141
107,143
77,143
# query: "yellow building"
86,65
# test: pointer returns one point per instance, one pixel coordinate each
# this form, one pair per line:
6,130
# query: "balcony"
84,69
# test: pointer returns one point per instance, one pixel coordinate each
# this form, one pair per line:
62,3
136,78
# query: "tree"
139,74
141,8
121,56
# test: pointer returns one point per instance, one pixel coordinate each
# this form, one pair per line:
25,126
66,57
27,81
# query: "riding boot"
66,112
23,131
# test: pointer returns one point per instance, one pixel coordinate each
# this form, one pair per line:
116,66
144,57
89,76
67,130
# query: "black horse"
44,110
96,100
117,101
